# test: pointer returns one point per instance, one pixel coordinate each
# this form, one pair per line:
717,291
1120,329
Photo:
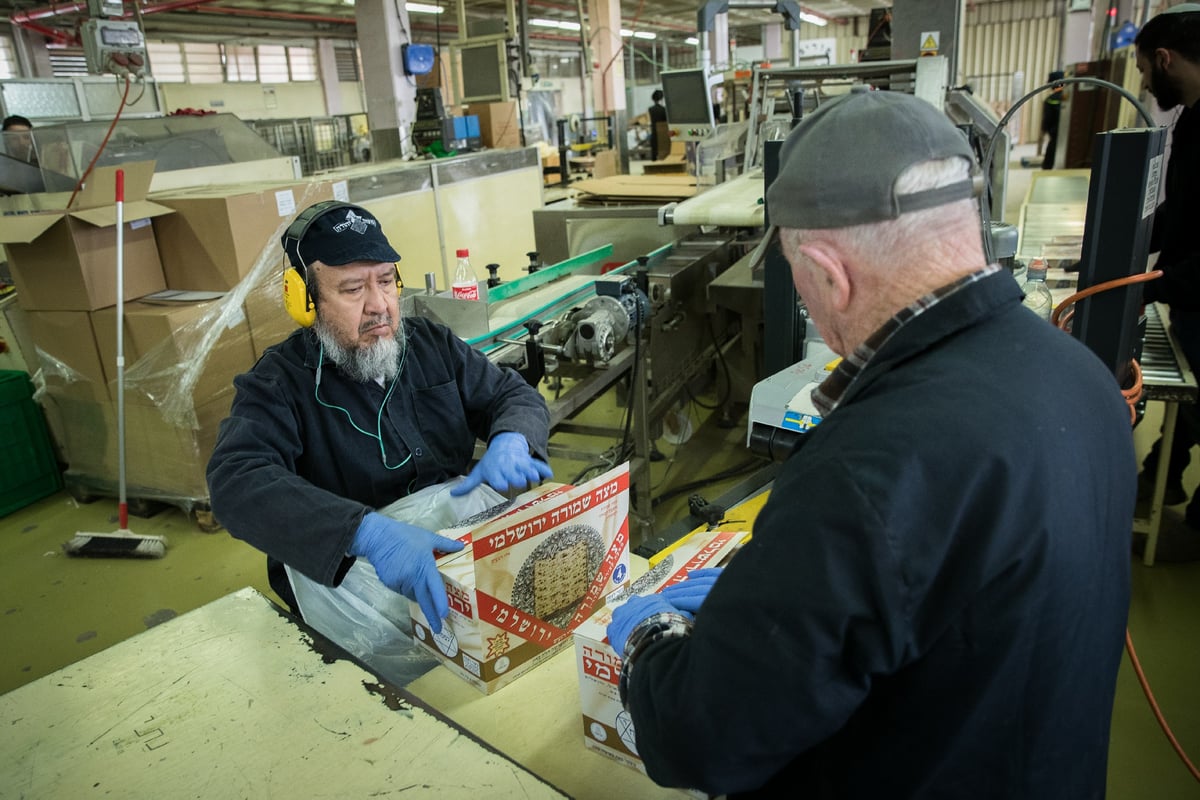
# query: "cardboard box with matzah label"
528,578
607,727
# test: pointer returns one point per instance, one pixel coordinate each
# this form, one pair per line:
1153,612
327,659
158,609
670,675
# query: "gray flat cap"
839,166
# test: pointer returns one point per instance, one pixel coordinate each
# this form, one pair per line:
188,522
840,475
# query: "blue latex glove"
633,611
689,594
507,463
402,556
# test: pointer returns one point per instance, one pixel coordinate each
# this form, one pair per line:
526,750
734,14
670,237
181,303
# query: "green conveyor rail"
547,274
491,340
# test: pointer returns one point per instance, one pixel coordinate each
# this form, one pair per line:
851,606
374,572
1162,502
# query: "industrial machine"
581,327
434,125
781,407
688,96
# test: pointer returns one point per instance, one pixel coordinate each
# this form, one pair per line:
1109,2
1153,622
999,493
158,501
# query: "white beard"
380,360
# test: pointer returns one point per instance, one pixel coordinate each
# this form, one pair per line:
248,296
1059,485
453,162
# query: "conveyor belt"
737,203
1166,375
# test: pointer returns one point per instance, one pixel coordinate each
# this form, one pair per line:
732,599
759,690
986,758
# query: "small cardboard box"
498,125
68,356
170,342
528,578
607,727
67,260
217,233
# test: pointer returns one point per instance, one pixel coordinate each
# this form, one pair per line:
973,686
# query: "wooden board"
637,188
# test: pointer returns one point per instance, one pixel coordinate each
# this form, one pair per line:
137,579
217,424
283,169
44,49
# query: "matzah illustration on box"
529,578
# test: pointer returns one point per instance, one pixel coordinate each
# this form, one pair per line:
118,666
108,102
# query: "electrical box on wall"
115,46
417,58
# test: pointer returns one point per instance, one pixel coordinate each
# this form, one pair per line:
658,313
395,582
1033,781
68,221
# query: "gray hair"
891,238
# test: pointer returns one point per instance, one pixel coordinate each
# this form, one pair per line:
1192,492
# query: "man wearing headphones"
357,408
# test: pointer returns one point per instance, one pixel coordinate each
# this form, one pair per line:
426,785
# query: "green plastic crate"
28,470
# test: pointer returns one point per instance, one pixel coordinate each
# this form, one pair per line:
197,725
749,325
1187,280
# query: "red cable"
103,143
1063,313
1158,715
1132,395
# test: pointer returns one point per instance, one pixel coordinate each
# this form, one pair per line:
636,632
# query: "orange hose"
1158,715
1061,317
1064,312
1102,287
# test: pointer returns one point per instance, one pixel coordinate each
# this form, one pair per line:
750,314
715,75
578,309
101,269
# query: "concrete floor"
56,610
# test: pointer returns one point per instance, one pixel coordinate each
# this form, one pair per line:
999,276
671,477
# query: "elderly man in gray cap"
934,597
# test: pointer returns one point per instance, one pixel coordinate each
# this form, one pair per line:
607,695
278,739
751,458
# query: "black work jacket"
291,474
934,598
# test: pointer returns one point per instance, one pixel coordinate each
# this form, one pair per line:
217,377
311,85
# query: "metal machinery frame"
779,96
671,339
573,125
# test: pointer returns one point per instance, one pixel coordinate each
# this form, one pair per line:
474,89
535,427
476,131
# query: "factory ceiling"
671,21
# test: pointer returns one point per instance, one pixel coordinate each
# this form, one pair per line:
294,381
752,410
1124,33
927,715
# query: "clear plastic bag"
369,620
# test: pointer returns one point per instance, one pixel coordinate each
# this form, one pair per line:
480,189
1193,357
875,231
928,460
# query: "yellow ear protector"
296,298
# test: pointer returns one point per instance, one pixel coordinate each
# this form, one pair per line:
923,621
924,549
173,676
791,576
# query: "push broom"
123,542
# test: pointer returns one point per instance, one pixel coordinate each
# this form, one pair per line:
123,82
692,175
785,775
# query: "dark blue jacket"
934,598
292,476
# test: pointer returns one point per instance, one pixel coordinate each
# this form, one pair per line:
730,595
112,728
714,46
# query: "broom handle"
122,507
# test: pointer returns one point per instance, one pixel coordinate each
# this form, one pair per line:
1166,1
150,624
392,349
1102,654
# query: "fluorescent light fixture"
645,35
561,24
820,22
626,32
691,40
423,8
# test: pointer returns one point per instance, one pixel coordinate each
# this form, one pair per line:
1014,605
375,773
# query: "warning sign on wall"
929,42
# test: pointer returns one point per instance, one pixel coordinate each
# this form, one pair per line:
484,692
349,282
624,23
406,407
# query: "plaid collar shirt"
829,394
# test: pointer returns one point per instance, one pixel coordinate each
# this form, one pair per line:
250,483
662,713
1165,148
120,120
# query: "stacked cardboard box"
218,234
65,260
528,578
181,355
64,264
223,238
607,727
498,123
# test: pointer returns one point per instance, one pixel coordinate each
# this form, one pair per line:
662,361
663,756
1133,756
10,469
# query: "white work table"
536,721
235,699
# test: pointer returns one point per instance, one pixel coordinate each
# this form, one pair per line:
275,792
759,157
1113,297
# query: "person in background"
1168,57
658,118
18,142
934,599
1051,111
361,408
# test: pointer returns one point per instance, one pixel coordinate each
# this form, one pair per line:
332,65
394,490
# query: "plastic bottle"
465,286
1037,295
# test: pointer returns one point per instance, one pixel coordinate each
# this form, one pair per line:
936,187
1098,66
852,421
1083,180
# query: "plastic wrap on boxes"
369,620
177,391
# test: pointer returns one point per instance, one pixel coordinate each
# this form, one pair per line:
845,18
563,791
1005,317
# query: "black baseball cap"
839,166
336,233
